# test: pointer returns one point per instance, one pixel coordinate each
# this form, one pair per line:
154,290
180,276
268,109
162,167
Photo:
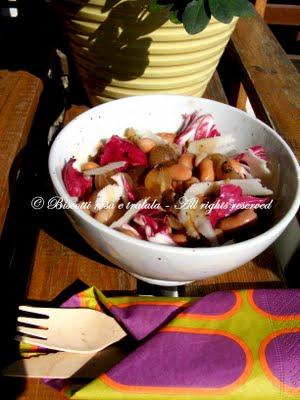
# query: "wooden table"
44,254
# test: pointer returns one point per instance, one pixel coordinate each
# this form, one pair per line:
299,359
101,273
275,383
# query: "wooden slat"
19,97
270,79
260,6
282,14
215,90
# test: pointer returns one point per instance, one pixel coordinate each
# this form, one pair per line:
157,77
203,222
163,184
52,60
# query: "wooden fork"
76,330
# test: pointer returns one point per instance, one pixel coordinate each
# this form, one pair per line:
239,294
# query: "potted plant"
132,47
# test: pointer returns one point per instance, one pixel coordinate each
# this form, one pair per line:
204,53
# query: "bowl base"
159,282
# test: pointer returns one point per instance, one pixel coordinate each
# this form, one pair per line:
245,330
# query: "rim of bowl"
282,223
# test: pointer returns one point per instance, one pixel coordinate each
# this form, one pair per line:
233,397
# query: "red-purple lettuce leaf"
196,126
118,149
154,226
255,158
258,151
231,196
76,183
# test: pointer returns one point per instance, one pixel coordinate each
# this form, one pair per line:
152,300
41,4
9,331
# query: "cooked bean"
108,215
187,160
174,223
239,220
219,233
89,165
237,167
92,200
179,238
146,144
101,181
169,137
223,168
206,170
180,172
128,232
85,206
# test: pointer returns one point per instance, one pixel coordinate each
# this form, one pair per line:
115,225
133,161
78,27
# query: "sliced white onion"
217,144
162,238
251,187
105,169
204,227
131,229
231,241
153,136
127,217
110,194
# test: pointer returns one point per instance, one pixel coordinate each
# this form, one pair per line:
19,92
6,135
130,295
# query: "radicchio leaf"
255,158
122,181
76,183
118,149
230,200
154,226
196,126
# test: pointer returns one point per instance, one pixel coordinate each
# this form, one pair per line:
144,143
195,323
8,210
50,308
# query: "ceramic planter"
120,50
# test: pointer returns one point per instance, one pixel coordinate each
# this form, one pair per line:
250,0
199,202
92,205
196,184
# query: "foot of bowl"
159,282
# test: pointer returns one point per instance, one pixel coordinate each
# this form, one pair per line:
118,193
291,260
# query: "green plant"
195,14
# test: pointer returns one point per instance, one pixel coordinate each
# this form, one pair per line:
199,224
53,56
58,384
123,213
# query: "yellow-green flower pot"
120,50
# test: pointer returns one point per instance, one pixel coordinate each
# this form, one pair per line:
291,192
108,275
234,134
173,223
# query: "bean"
206,170
129,233
219,234
239,220
89,165
187,160
84,206
223,168
92,200
169,137
146,144
101,181
179,172
179,238
174,223
108,215
237,167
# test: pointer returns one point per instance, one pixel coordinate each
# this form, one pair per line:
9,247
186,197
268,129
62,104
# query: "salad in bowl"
184,188
174,188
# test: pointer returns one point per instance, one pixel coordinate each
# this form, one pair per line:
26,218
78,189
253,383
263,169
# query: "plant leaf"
225,10
159,5
195,17
174,17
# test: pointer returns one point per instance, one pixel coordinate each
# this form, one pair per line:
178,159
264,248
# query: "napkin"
226,345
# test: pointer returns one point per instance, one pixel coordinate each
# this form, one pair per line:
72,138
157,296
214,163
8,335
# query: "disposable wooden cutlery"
76,330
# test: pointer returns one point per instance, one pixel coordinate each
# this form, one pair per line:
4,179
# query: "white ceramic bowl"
154,263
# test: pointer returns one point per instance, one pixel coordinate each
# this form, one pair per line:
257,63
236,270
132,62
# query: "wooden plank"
260,6
270,79
215,90
282,14
19,97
